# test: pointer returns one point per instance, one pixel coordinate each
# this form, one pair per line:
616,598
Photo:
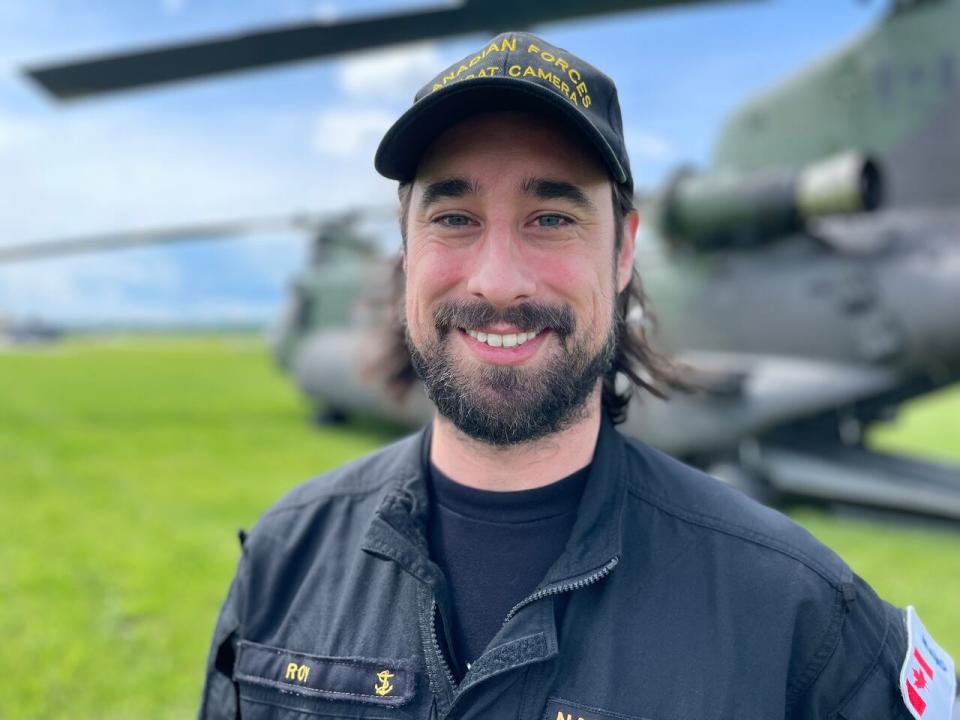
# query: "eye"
552,220
453,220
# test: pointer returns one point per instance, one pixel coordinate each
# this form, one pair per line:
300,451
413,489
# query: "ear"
628,247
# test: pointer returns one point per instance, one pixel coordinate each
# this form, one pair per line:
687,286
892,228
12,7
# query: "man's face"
512,276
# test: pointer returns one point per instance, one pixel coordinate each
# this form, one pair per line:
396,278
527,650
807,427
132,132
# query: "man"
519,558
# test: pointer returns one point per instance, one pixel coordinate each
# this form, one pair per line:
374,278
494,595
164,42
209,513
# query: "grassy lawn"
126,468
908,565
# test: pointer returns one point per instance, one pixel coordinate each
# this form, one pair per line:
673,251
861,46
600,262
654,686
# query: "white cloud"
172,7
98,171
395,73
107,168
326,12
652,158
274,258
93,287
648,146
350,133
142,286
143,161
13,131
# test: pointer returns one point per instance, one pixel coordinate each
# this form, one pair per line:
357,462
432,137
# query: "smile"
508,340
503,348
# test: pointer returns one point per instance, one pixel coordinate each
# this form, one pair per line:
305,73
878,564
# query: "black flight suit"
676,598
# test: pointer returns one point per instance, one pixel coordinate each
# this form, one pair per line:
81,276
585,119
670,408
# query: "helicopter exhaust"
729,209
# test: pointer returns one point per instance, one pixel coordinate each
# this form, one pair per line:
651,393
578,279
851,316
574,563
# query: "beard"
508,405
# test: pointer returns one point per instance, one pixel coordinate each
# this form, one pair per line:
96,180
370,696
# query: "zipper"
583,582
558,589
436,645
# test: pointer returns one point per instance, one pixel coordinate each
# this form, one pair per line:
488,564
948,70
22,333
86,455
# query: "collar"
398,530
596,537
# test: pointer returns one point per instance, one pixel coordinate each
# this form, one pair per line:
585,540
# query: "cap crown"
518,65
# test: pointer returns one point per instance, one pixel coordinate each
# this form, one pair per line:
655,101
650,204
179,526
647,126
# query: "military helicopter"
30,332
811,276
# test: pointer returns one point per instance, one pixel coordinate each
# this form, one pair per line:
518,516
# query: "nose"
498,272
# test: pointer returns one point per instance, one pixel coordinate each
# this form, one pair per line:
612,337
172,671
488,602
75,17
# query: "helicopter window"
301,309
948,70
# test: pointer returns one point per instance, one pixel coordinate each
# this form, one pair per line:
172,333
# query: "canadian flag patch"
928,681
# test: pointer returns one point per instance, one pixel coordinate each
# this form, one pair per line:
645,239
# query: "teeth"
507,341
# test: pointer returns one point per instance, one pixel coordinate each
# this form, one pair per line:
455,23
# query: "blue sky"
302,137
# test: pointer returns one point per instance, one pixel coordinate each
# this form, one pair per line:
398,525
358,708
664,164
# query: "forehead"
502,144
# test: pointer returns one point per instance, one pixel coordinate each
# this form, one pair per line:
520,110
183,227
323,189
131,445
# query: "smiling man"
512,281
519,558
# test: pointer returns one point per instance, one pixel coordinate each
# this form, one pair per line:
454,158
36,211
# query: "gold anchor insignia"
384,688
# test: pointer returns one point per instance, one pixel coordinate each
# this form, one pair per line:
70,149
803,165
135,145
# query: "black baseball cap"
514,71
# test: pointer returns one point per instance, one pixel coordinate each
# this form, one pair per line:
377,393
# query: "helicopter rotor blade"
284,44
220,230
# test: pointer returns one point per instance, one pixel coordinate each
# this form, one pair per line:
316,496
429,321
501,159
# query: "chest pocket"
278,683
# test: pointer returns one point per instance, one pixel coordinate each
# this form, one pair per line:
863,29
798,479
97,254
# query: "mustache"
525,316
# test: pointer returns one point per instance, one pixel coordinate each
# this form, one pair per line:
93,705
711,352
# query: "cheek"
560,272
442,271
434,272
577,278
430,275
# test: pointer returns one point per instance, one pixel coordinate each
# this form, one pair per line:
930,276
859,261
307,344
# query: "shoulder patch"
928,681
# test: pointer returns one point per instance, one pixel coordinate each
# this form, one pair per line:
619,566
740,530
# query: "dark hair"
635,359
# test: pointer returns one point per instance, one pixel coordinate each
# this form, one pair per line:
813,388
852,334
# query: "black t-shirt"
495,548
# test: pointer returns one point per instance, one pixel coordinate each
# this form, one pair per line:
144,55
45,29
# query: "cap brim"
405,142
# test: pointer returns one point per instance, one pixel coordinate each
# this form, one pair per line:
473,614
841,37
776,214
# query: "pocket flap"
384,682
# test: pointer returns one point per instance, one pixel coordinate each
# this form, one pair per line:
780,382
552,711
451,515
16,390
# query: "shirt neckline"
558,498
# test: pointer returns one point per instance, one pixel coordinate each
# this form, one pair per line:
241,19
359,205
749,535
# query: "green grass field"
126,468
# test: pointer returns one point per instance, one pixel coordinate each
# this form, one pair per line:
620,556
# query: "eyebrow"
455,187
548,189
542,188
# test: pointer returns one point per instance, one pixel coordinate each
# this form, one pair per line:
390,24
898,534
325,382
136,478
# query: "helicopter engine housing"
728,209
